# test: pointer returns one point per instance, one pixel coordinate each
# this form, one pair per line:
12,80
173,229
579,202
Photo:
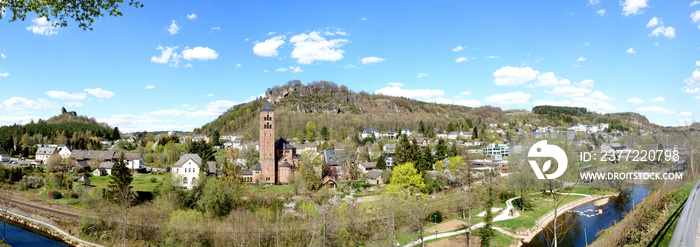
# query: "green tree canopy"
405,176
84,12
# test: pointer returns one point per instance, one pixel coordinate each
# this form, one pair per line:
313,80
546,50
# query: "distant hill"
345,112
67,127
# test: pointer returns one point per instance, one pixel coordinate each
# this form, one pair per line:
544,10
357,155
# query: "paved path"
503,216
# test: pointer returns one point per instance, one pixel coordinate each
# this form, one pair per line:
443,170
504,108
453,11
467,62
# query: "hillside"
65,128
344,112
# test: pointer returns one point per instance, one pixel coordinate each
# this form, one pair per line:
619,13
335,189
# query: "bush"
35,182
153,180
434,217
72,194
55,194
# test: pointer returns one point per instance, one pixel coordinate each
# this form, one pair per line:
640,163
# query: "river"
18,235
582,230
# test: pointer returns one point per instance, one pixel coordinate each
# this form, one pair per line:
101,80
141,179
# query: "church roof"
283,144
257,167
285,164
267,106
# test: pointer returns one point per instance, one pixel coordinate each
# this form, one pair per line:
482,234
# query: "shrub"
72,194
35,182
153,180
434,217
55,194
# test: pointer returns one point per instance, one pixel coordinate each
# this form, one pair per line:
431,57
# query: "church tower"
267,144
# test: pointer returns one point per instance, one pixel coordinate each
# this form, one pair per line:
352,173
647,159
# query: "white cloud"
600,96
697,63
10,120
635,101
421,75
134,123
268,48
586,83
581,59
74,104
548,79
150,86
685,113
465,93
214,109
192,16
4,74
264,71
395,84
461,59
419,94
633,7
291,68
655,110
42,26
367,60
64,95
208,95
458,48
586,44
517,98
2,55
600,12
492,57
695,16
630,51
19,103
216,29
238,65
511,76
569,92
657,99
201,53
694,3
100,93
669,32
593,2
312,47
654,21
363,18
693,81
174,28
167,55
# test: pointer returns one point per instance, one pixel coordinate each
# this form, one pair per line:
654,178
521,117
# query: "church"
277,158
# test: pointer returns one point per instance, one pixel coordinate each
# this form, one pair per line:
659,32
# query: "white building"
497,151
65,152
44,153
186,170
368,132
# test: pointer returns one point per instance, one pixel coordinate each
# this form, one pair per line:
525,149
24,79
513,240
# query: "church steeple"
267,106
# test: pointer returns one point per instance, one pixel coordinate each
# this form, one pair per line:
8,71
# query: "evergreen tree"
453,150
421,128
414,151
204,150
487,231
425,162
324,133
120,186
215,136
475,134
115,134
440,150
402,148
381,163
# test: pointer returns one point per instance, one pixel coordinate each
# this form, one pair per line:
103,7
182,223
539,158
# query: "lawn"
527,219
499,239
141,182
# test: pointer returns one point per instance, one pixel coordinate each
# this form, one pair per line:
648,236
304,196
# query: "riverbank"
545,219
17,215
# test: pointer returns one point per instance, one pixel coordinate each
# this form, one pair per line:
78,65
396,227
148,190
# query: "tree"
120,190
425,162
405,176
455,163
475,134
487,231
310,131
215,136
402,149
324,133
204,150
440,150
381,162
84,12
438,166
115,134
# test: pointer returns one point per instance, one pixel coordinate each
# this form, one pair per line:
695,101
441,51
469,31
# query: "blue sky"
176,65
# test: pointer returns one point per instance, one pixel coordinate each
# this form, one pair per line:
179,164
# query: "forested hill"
299,108
66,128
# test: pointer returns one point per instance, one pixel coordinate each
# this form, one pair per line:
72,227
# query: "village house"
336,159
44,153
407,131
369,132
65,152
374,177
368,166
186,170
390,134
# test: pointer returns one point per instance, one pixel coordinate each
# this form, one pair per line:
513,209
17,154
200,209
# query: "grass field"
142,182
527,219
